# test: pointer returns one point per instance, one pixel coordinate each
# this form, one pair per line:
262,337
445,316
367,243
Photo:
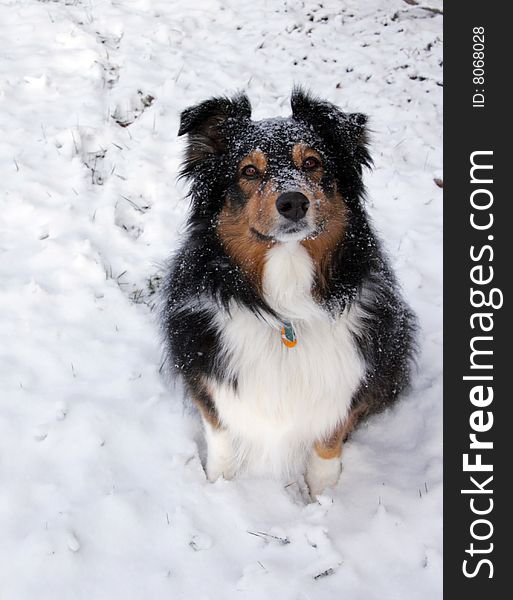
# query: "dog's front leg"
324,467
220,457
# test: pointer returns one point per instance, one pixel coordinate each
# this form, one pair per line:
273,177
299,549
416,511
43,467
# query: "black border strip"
469,127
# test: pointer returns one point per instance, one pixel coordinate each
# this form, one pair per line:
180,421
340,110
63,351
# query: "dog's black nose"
292,205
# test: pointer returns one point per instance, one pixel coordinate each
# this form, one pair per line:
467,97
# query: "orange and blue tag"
288,335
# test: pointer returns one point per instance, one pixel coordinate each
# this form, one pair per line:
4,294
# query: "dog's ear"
205,125
343,131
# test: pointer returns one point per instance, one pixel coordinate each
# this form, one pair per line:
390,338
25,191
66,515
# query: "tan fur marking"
208,416
235,224
330,212
262,208
333,214
332,447
234,230
256,158
203,401
300,152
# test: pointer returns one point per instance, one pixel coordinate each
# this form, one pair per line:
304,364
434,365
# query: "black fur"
202,275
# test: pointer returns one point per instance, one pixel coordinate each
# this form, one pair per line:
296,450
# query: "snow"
102,493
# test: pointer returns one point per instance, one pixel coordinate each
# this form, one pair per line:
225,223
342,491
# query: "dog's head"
275,180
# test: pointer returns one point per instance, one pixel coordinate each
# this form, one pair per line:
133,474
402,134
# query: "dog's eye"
250,171
311,163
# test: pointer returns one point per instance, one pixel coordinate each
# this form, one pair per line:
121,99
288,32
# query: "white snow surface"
102,492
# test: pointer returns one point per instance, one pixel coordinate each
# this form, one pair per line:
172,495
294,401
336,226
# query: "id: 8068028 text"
478,73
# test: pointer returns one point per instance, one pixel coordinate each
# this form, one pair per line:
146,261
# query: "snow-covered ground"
102,493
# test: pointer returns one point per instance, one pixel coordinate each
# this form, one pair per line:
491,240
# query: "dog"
280,310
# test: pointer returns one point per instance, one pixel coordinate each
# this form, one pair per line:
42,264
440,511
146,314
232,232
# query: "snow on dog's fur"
280,311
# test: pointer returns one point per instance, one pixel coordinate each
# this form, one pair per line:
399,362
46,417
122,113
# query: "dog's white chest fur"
286,398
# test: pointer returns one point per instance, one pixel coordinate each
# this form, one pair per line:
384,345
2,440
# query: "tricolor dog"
280,310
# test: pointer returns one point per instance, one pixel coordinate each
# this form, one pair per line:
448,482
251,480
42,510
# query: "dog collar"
288,335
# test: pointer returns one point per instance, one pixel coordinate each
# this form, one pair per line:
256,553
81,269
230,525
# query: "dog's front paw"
218,467
322,473
220,457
